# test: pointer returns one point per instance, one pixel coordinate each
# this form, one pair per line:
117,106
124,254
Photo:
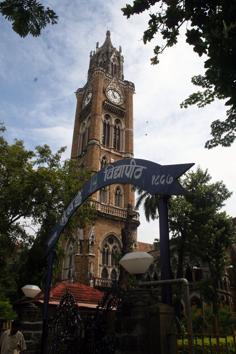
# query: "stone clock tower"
103,133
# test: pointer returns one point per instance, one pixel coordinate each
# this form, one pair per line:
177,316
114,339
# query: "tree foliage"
35,187
194,218
27,16
210,28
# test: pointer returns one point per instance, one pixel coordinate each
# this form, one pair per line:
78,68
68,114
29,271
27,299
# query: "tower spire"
108,58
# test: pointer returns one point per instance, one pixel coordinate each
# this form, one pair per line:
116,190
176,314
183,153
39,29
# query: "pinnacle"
107,42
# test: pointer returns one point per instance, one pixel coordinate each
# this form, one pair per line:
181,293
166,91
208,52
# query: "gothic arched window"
104,273
103,195
118,197
117,135
106,130
109,257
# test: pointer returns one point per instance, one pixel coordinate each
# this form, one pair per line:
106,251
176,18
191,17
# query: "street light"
136,262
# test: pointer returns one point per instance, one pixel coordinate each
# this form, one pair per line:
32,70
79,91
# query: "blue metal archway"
147,175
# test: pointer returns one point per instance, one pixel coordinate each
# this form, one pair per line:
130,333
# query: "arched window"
103,195
117,135
103,162
118,197
104,273
109,257
106,130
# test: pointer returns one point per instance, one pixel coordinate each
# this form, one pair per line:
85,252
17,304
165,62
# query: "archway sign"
147,175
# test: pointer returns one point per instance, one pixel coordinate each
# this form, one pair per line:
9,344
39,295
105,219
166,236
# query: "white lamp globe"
136,262
31,290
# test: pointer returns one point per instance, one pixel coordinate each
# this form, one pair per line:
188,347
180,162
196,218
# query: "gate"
100,332
66,331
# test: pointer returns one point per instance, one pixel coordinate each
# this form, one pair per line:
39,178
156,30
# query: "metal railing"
207,343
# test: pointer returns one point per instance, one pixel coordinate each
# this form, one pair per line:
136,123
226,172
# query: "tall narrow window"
114,256
105,255
84,135
118,197
68,268
103,162
103,195
84,142
106,131
117,135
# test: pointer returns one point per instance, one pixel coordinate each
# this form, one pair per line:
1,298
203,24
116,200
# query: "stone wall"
30,316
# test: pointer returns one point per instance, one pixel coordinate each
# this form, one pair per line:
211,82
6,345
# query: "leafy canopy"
210,28
35,188
27,16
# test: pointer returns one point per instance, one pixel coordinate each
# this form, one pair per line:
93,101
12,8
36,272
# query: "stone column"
144,325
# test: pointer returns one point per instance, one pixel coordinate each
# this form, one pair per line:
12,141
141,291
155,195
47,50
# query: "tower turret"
108,58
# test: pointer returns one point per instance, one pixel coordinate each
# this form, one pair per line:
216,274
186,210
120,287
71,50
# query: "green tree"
27,16
35,187
201,233
210,27
194,217
6,310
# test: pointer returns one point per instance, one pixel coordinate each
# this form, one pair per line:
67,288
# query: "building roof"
144,247
85,296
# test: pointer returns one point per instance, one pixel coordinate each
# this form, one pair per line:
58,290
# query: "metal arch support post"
166,272
187,304
44,337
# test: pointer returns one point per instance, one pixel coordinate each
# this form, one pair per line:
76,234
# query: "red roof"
144,247
85,296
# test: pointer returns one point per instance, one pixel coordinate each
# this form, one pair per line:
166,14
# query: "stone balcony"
102,283
113,211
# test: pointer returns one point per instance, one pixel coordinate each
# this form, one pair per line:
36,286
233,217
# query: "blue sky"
38,78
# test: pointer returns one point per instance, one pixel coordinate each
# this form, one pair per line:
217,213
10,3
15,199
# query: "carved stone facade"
103,133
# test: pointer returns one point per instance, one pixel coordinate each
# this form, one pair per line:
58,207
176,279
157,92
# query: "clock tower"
103,134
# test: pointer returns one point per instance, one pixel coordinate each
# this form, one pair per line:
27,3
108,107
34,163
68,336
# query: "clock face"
114,96
87,98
